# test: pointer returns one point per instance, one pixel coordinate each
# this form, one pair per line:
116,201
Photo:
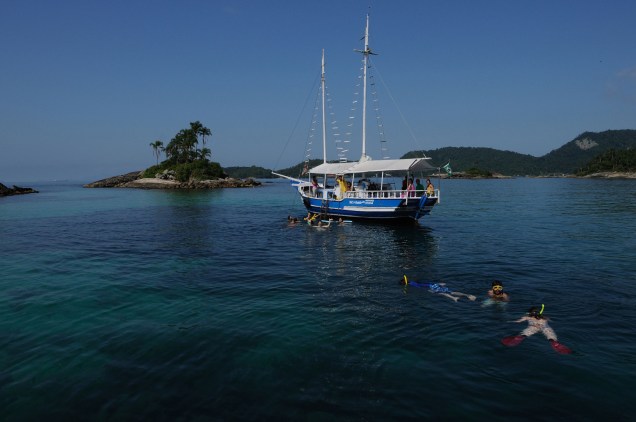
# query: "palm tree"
199,129
204,131
204,153
195,127
157,147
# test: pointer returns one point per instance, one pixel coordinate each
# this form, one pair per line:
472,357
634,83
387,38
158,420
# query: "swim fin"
512,340
560,348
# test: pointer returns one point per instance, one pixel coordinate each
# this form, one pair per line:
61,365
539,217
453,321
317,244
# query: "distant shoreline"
134,180
600,175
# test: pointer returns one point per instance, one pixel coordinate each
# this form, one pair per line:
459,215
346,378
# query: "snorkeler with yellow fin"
439,288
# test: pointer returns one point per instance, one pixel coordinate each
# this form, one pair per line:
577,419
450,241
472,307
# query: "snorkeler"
292,220
311,219
439,288
496,292
536,322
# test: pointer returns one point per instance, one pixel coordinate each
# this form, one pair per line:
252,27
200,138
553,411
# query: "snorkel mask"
497,288
535,312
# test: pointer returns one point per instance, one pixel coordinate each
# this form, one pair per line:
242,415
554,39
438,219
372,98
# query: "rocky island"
166,180
16,190
186,167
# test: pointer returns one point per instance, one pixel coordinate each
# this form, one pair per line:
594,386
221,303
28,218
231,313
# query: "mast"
324,124
365,53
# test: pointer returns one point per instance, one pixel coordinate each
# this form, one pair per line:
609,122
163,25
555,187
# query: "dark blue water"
138,305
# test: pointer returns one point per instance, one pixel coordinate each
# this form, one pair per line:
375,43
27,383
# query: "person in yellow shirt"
343,187
430,189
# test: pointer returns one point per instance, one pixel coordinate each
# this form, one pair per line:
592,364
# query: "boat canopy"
371,166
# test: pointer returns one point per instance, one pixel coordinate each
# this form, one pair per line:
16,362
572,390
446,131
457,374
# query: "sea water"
123,304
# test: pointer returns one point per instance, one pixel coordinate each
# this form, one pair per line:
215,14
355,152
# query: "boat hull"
385,209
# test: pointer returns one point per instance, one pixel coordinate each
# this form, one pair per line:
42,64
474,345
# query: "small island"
16,190
186,166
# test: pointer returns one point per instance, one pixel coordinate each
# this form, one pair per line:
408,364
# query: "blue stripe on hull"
372,209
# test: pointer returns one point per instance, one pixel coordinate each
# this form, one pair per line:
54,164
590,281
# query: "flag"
448,169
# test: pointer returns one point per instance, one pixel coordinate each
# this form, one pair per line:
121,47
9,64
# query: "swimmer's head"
535,312
404,281
497,287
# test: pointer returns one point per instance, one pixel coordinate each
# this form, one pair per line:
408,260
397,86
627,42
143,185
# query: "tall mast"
365,53
324,124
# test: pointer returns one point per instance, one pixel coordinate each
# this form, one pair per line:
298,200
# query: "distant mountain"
567,159
244,172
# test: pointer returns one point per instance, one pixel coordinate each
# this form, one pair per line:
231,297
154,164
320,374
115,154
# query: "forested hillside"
611,161
567,159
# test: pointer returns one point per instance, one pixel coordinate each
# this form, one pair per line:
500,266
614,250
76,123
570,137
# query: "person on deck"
430,189
419,188
343,187
410,189
314,186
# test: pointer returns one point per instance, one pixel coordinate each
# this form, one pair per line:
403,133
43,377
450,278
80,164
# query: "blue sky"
87,85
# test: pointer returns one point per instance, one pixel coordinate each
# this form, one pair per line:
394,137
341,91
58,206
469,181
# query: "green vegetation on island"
184,159
615,161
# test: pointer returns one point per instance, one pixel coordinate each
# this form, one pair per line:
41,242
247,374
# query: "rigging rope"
291,135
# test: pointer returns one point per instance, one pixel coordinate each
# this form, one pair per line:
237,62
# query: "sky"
87,85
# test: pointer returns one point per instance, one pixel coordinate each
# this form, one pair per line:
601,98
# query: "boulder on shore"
16,190
134,180
116,181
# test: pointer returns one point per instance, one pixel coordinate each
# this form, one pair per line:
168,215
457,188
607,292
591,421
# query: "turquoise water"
136,304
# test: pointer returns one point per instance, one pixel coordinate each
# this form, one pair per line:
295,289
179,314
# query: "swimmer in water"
496,292
439,288
536,322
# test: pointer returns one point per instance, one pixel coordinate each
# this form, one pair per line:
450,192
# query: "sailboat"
363,189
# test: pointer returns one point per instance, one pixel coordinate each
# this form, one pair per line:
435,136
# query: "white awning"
371,166
332,168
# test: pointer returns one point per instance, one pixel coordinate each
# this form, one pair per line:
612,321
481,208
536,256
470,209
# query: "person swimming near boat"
439,288
537,322
322,224
497,293
292,220
311,219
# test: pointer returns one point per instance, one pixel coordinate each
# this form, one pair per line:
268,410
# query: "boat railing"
379,194
369,194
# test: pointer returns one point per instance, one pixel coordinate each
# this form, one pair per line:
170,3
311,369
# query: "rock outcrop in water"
16,190
134,180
